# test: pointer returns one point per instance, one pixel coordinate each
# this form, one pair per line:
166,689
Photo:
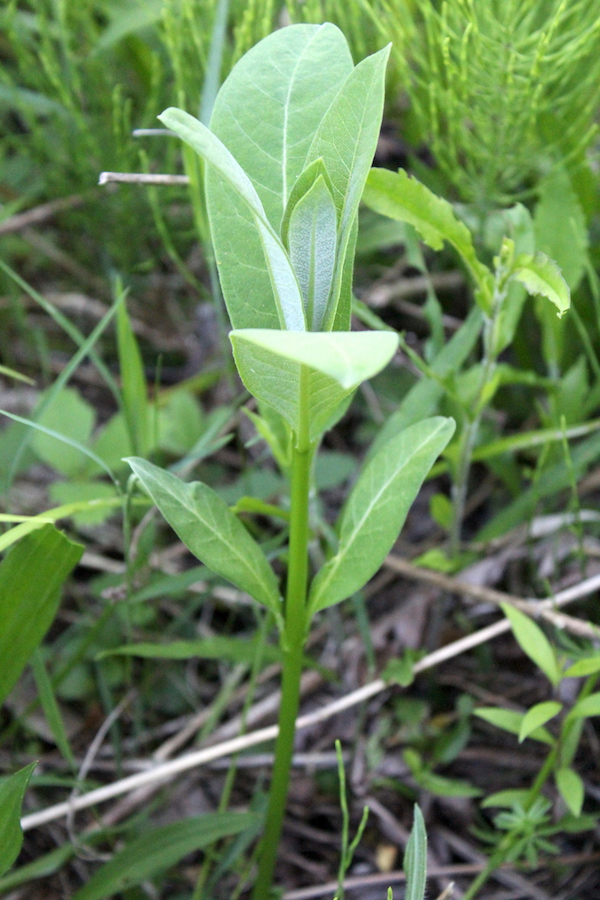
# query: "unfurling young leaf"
541,275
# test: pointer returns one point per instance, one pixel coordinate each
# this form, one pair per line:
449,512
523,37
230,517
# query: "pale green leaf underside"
270,365
541,275
281,275
377,508
399,196
206,525
349,357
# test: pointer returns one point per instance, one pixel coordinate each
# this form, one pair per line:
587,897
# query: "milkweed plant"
290,144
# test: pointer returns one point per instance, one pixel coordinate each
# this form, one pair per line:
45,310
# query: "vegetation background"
117,649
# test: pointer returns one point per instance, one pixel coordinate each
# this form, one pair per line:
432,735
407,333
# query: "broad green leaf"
415,859
402,197
376,509
346,141
541,275
12,791
567,245
312,241
157,850
209,529
30,579
266,113
588,706
270,364
72,416
271,104
284,285
538,715
511,720
570,787
583,667
533,642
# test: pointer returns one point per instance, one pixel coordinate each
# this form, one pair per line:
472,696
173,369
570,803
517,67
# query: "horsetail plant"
291,141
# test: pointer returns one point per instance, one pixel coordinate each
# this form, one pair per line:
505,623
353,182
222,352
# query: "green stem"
293,641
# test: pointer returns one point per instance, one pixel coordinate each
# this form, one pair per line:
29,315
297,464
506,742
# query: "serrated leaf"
538,715
312,241
533,642
415,858
570,787
157,850
377,508
209,529
266,113
12,791
284,285
510,720
31,576
271,363
399,196
541,275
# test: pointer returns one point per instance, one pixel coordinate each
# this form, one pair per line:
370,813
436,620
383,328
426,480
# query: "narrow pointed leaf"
158,850
12,791
346,141
571,788
415,859
312,239
588,706
533,642
377,508
31,576
209,529
510,720
281,275
541,275
399,196
538,715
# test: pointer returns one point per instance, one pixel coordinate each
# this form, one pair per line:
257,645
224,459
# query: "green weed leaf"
399,196
209,529
12,791
541,275
30,580
376,509
157,850
570,787
583,667
266,113
312,240
346,141
284,285
538,715
415,858
588,706
270,363
511,721
533,642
